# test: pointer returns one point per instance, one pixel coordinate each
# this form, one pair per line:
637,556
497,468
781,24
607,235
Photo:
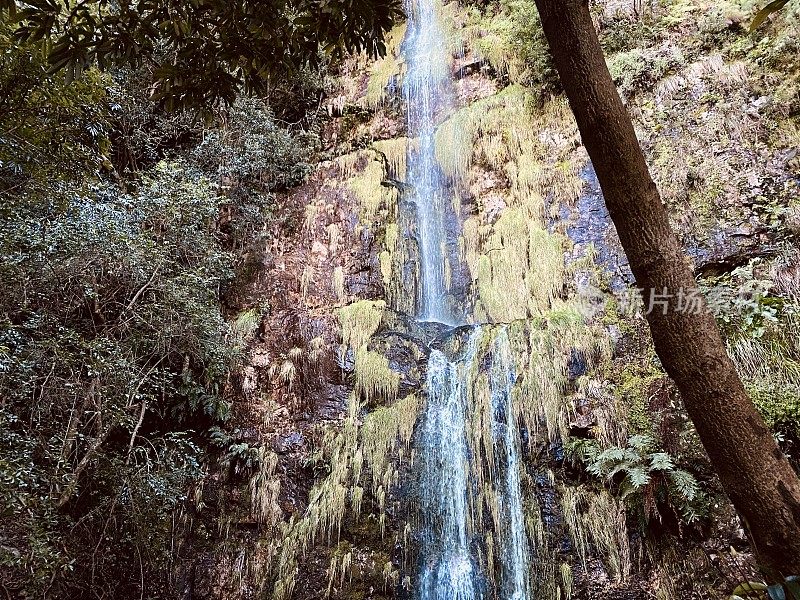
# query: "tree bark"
755,474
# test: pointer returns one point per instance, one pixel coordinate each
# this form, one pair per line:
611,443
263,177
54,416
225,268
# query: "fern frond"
661,461
642,443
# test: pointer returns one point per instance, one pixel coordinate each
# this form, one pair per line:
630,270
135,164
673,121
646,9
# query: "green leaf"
750,589
639,477
642,443
793,587
661,461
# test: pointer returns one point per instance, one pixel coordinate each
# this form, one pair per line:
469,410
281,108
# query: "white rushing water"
448,570
514,543
426,87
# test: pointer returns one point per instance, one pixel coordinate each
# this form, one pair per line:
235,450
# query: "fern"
640,464
661,461
581,450
684,483
641,443
638,477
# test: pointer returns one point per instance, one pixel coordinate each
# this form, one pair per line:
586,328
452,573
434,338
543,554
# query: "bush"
513,42
779,405
52,130
638,69
112,356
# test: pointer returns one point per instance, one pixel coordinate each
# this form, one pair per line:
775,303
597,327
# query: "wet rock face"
577,364
590,223
285,443
295,382
721,249
407,357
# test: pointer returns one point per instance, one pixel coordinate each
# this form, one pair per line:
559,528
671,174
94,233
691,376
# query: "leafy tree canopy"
203,51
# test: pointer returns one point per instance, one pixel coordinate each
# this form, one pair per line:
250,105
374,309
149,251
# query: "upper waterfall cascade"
427,93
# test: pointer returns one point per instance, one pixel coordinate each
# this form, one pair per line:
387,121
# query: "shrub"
638,69
112,356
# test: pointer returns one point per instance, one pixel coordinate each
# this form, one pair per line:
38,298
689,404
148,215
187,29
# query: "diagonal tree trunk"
754,472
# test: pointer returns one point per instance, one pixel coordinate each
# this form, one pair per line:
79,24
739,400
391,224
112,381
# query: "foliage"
252,149
237,457
620,32
112,357
387,72
779,405
245,142
50,131
251,157
757,306
119,230
634,387
636,69
205,51
788,589
641,471
143,133
513,42
765,12
742,302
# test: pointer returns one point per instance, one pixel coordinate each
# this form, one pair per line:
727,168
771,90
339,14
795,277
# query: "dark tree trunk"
754,472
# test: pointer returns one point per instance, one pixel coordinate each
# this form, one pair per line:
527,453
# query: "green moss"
359,321
632,390
636,69
368,188
566,580
778,405
387,69
509,36
385,260
386,431
500,120
375,380
612,315
595,519
265,489
519,269
338,283
396,152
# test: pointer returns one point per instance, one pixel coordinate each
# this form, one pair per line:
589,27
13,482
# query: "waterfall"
448,570
426,89
449,565
514,548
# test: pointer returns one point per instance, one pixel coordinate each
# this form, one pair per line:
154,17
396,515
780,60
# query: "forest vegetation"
212,383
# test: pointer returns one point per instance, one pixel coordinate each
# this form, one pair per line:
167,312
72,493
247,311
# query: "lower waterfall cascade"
448,569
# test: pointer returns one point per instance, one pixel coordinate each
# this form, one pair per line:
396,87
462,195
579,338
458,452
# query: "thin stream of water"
426,87
514,545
